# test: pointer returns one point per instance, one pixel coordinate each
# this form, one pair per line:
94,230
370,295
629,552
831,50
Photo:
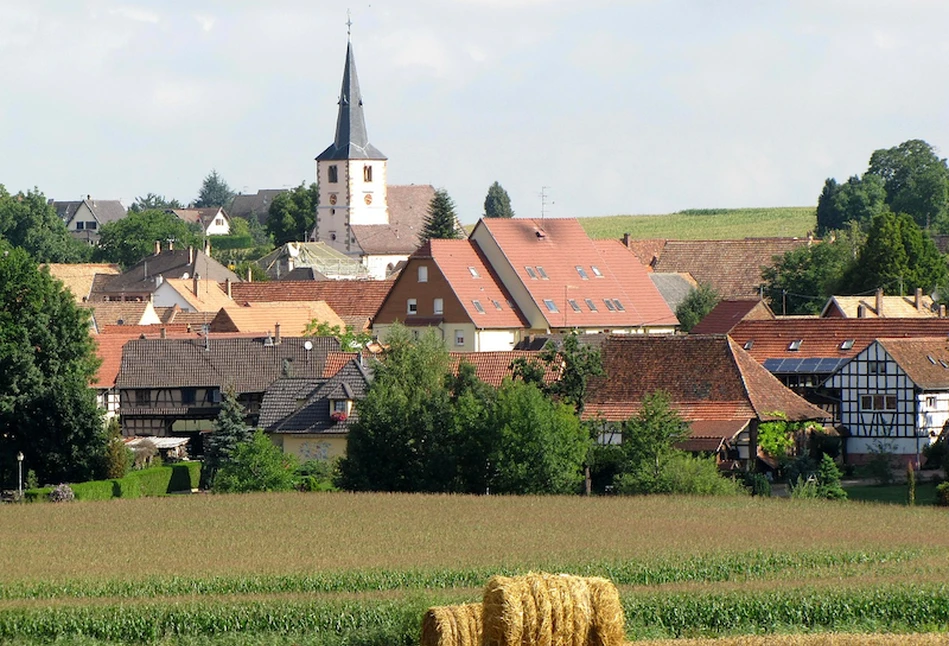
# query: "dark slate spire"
352,141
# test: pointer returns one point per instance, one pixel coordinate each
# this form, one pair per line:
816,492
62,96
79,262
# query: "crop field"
333,569
707,224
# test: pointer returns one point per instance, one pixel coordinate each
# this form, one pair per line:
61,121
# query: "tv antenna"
544,202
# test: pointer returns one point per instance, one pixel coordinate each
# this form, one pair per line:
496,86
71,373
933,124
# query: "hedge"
155,481
94,490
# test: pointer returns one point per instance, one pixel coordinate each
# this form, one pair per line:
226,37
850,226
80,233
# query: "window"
412,306
339,406
876,367
877,402
531,273
474,272
551,306
422,274
143,397
619,306
795,345
219,222
80,226
847,344
596,271
459,337
590,304
92,225
573,305
541,272
497,304
332,174
582,272
367,173
930,401
749,344
188,396
439,306
478,306
609,304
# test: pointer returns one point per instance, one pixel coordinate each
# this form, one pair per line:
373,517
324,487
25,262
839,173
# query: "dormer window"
795,345
332,174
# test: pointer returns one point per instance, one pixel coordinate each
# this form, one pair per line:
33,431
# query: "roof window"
551,306
590,304
609,304
749,344
582,272
478,306
795,345
596,271
531,273
573,305
619,306
474,272
847,344
497,305
541,272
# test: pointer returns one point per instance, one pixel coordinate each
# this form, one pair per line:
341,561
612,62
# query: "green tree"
214,192
696,306
472,404
349,339
538,445
828,480
804,278
897,257
857,200
129,240
256,464
47,361
230,430
576,363
29,221
154,202
293,214
649,440
118,456
497,204
916,182
441,221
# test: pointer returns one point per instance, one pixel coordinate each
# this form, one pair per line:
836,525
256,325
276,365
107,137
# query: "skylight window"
590,304
596,271
847,344
749,344
474,272
497,305
795,345
531,273
619,306
582,272
573,305
609,304
541,272
551,306
478,306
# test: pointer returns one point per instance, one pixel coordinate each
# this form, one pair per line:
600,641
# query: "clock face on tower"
368,199
332,198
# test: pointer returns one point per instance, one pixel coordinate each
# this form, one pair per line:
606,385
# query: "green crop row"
155,481
334,622
703,568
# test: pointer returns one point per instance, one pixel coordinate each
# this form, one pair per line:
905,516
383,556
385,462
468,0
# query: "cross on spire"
349,25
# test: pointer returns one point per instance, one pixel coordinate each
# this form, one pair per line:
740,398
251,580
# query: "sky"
577,108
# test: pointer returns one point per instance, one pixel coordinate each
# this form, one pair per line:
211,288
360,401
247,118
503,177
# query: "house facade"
212,220
84,218
894,397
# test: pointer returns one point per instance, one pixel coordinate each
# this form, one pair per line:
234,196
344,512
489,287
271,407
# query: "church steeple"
352,140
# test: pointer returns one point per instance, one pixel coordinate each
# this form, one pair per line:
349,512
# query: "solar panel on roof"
809,365
773,365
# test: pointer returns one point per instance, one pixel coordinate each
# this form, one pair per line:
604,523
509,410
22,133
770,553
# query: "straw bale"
452,625
503,611
609,624
543,635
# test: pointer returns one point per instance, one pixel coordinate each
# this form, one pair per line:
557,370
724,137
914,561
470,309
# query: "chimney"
227,287
207,246
276,334
164,332
861,311
919,299
171,244
194,282
250,277
157,247
190,255
88,197
942,311
626,240
879,302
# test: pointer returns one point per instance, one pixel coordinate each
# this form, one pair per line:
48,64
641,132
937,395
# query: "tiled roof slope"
824,337
255,204
203,216
352,300
170,263
647,250
453,258
210,297
408,208
559,246
104,211
351,382
892,307
245,364
493,367
728,313
924,360
79,278
293,318
674,288
283,397
120,313
706,377
733,267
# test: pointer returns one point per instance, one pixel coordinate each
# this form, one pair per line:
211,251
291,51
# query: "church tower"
351,172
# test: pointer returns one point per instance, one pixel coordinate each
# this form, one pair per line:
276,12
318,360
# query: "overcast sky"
632,107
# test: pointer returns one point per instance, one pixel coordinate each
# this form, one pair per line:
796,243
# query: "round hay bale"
582,609
609,624
452,625
555,599
529,606
503,611
543,633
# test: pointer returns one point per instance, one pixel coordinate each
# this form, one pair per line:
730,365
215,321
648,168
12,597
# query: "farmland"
347,568
707,224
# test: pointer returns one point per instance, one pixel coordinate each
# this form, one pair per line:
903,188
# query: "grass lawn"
895,494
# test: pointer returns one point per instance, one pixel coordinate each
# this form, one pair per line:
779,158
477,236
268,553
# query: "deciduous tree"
916,182
857,200
497,204
29,221
441,222
132,238
293,214
154,202
256,464
696,306
649,440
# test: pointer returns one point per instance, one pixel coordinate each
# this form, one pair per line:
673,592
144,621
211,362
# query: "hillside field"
707,224
333,569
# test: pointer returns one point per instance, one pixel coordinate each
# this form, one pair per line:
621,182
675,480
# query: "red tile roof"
733,267
556,248
823,337
493,367
335,360
352,300
707,377
455,259
726,315
151,330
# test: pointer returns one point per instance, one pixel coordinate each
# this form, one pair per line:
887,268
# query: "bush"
683,474
316,475
880,464
61,493
942,494
805,488
185,476
256,465
37,494
800,468
93,490
937,453
828,480
126,488
758,484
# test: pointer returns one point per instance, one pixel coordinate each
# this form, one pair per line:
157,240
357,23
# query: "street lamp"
19,463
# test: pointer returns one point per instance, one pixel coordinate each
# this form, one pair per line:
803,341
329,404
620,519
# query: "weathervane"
349,24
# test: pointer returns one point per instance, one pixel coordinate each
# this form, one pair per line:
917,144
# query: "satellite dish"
308,345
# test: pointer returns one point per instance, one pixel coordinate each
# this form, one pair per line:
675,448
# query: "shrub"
685,474
37,494
942,494
937,453
61,493
118,456
256,465
316,475
93,490
126,488
185,476
828,480
798,469
758,484
805,488
880,464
